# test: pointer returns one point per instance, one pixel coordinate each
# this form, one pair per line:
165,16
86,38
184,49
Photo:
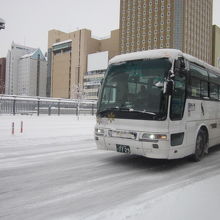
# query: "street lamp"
2,24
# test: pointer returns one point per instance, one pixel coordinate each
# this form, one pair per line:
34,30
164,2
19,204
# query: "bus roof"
148,54
200,62
171,54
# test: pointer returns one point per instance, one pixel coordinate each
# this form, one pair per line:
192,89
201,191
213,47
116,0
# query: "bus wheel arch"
201,144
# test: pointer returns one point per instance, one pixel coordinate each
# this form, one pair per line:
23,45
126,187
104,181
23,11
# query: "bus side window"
214,90
214,81
199,85
195,87
204,89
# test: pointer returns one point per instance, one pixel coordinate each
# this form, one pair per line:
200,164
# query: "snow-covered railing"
13,104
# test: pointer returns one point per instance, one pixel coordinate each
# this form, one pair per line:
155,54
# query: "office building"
32,74
96,69
2,74
180,24
216,46
67,59
12,62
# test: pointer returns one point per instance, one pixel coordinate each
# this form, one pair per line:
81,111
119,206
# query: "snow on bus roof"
148,54
171,54
200,62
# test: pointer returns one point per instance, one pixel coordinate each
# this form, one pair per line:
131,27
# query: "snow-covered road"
53,171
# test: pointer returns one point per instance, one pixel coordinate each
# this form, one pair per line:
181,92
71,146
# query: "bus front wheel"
200,146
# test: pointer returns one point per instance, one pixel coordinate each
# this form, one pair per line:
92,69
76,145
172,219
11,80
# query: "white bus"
160,104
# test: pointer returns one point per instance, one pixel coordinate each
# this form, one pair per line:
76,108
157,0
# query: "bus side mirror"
180,67
168,87
180,64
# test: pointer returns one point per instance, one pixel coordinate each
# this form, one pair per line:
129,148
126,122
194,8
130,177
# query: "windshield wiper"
144,112
109,109
127,110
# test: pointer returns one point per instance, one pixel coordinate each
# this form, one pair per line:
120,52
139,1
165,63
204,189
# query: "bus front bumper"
157,150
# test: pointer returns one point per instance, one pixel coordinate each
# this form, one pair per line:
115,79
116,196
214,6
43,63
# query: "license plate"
123,148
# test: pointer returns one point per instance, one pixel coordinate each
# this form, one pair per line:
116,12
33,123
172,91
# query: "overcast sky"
28,21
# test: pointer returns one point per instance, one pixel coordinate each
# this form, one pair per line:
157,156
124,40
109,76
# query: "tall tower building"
180,24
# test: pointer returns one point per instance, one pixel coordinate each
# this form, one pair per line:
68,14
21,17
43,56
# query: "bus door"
177,124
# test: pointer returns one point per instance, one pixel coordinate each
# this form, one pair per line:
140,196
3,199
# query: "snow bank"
45,126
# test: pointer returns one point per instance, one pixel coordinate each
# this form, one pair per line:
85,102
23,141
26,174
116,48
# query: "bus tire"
201,142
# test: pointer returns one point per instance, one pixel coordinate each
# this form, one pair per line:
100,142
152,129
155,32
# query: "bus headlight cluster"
99,132
153,137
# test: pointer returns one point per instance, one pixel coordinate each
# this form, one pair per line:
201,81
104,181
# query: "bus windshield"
134,89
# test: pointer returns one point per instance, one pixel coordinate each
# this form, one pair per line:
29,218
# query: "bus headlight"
99,132
153,137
